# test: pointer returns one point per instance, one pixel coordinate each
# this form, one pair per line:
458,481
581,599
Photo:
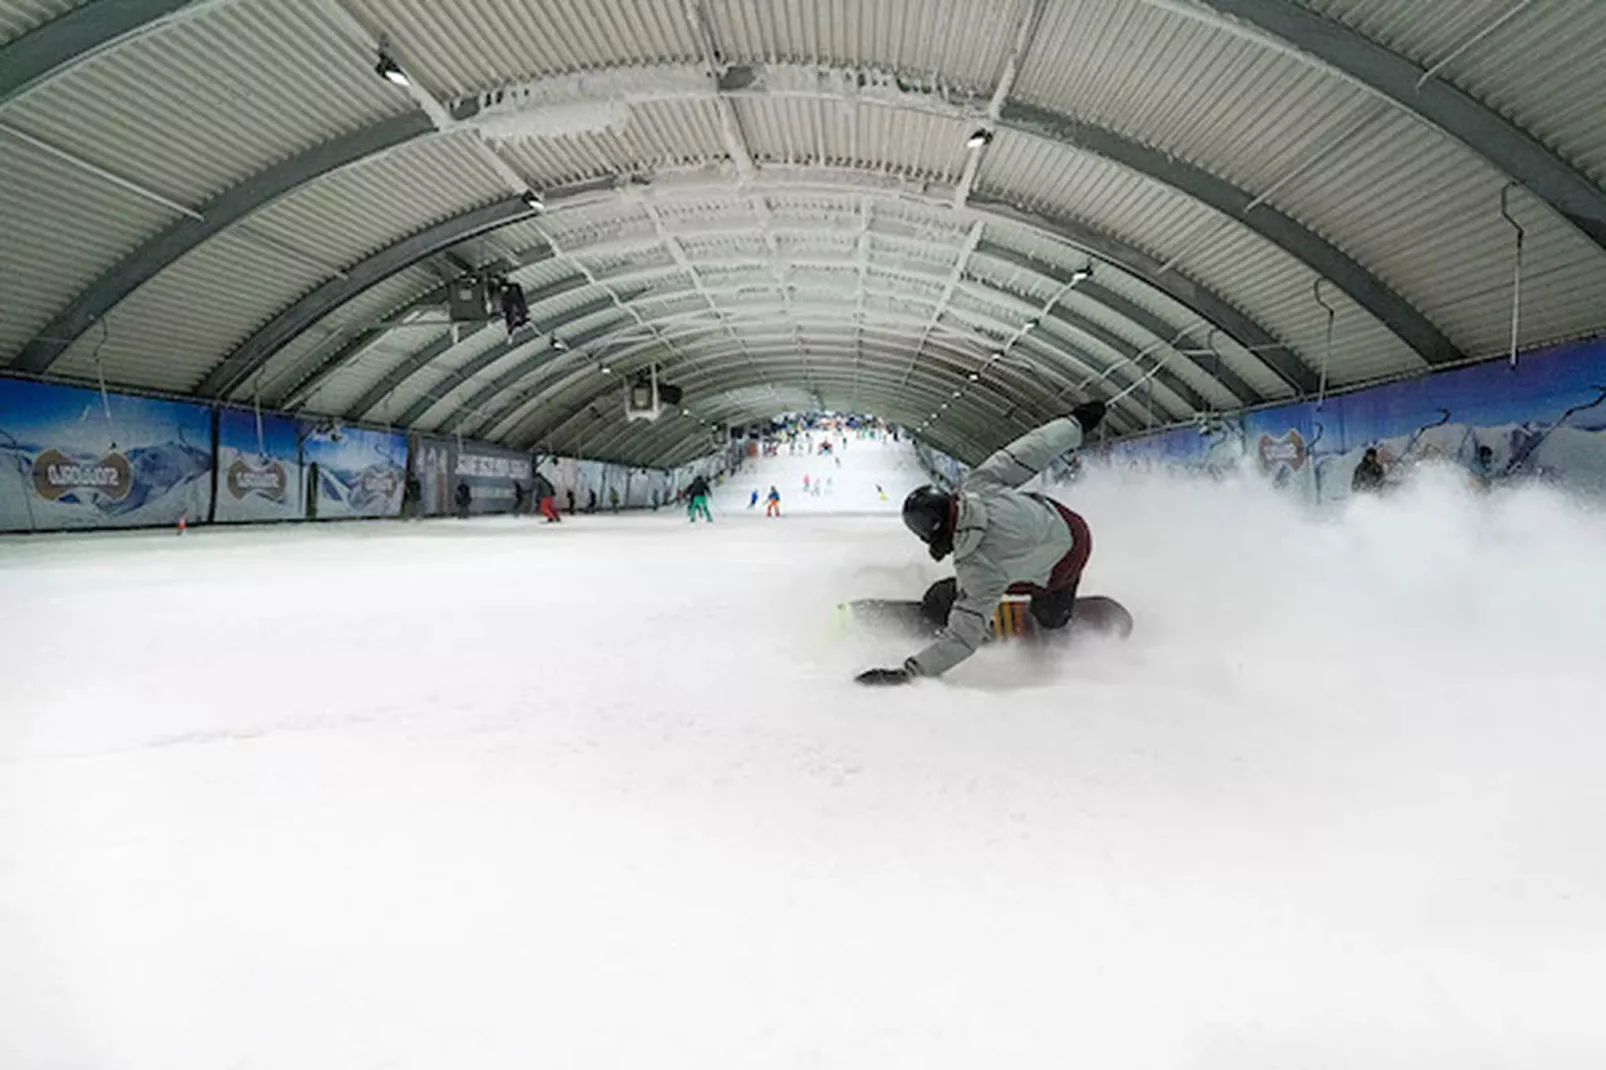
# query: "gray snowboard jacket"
1001,537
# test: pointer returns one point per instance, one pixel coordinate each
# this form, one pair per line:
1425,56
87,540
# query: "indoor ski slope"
602,794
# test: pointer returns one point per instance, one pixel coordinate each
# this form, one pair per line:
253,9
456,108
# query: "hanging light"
559,344
957,393
974,377
606,370
998,354
532,200
1081,275
391,71
981,136
1031,324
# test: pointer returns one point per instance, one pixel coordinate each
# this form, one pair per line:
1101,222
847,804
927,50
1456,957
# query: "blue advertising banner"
1545,420
351,471
71,458
259,468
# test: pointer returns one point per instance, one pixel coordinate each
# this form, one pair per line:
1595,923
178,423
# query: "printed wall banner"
491,476
433,464
259,468
70,458
350,471
495,478
1544,420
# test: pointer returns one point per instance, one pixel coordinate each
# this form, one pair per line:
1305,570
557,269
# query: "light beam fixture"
391,71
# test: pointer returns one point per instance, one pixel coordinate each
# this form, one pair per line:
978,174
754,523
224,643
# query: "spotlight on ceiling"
957,393
982,136
1031,325
559,344
390,70
1081,275
974,377
606,370
533,201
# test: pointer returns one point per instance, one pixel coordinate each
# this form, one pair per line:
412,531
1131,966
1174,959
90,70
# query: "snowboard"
1094,615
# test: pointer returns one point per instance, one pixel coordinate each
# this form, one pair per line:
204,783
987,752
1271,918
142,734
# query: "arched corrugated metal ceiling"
775,202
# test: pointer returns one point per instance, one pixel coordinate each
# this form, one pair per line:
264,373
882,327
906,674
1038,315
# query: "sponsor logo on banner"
1288,449
56,475
491,467
269,480
379,481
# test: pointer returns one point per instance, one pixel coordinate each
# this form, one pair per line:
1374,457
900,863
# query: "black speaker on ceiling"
468,300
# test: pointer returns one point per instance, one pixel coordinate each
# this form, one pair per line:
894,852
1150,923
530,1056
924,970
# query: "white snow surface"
602,794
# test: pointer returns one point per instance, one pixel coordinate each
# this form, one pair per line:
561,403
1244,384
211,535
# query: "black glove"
883,677
1088,414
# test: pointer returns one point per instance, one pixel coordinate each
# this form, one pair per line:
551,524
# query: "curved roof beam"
256,350
725,368
622,436
217,215
1283,231
1014,392
540,345
1088,368
539,393
1145,320
68,40
1088,289
643,441
1116,372
1504,145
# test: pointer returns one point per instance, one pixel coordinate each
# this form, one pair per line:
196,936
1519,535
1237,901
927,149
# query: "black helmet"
928,513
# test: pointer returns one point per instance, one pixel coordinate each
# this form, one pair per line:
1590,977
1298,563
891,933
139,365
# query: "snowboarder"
1482,468
1003,541
752,503
1369,474
544,493
772,505
697,500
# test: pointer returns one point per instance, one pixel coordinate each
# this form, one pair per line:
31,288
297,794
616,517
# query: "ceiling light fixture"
533,201
606,370
1031,325
559,344
391,71
957,393
1081,275
982,136
974,377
